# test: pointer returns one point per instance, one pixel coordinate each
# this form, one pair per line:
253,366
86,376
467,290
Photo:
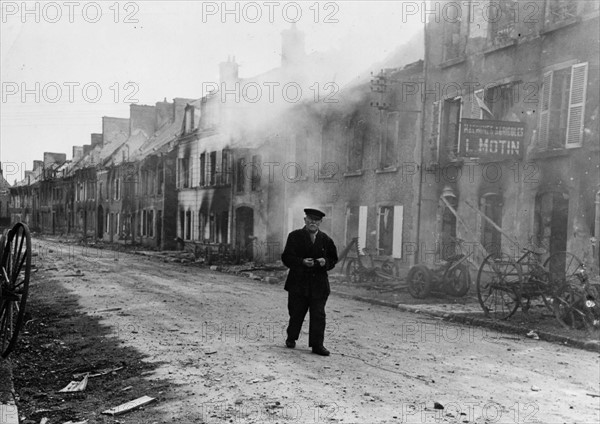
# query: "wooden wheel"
15,267
562,268
457,280
419,281
499,286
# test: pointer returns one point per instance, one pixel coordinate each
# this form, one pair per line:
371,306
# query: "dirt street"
219,339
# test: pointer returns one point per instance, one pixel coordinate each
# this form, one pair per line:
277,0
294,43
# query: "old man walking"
309,253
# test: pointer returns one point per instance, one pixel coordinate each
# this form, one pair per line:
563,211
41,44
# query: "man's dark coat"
309,281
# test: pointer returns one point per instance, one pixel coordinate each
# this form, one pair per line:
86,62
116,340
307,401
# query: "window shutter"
577,105
362,227
397,240
435,130
545,111
475,109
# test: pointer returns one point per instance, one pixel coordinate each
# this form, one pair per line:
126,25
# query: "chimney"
164,113
77,152
228,72
86,149
37,164
292,46
96,140
142,117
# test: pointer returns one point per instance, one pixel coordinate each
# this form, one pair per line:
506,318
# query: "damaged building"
512,142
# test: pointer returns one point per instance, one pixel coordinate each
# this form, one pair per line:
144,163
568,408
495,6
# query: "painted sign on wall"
491,140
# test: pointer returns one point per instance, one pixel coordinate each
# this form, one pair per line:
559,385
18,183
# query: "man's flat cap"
315,213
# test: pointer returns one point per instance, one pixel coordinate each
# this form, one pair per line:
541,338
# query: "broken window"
184,172
225,176
240,176
255,179
448,134
357,134
453,47
561,10
202,169
222,227
502,18
562,108
212,180
188,225
389,149
500,101
490,205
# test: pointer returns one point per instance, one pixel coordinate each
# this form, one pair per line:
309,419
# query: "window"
490,205
188,225
447,133
201,225
117,192
389,149
389,232
160,177
499,100
213,169
448,233
225,175
502,19
453,47
184,172
222,227
255,179
240,176
203,169
562,104
357,134
560,10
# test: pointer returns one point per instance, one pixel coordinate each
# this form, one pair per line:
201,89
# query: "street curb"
593,346
9,413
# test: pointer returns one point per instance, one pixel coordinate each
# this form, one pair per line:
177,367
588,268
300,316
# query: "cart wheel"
457,281
561,267
564,304
15,267
499,286
419,281
591,309
353,271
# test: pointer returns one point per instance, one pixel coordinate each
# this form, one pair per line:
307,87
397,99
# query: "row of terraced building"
489,134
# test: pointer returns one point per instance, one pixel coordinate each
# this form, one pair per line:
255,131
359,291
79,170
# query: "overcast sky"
144,51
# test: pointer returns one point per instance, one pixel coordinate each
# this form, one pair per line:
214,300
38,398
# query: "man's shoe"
320,350
290,343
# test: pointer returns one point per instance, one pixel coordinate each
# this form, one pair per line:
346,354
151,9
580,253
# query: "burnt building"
511,130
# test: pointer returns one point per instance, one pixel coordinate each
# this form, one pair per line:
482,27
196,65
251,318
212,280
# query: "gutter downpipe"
422,143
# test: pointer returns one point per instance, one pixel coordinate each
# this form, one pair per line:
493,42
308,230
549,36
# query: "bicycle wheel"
499,286
419,281
457,280
15,267
562,267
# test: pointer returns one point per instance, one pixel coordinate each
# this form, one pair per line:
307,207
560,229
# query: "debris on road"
129,406
437,405
535,389
76,386
533,335
100,373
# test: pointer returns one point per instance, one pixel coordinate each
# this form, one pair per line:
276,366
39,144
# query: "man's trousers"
298,305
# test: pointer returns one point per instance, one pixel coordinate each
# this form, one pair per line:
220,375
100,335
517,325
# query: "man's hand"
321,261
309,262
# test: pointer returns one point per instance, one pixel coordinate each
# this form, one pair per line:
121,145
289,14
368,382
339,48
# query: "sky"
64,65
